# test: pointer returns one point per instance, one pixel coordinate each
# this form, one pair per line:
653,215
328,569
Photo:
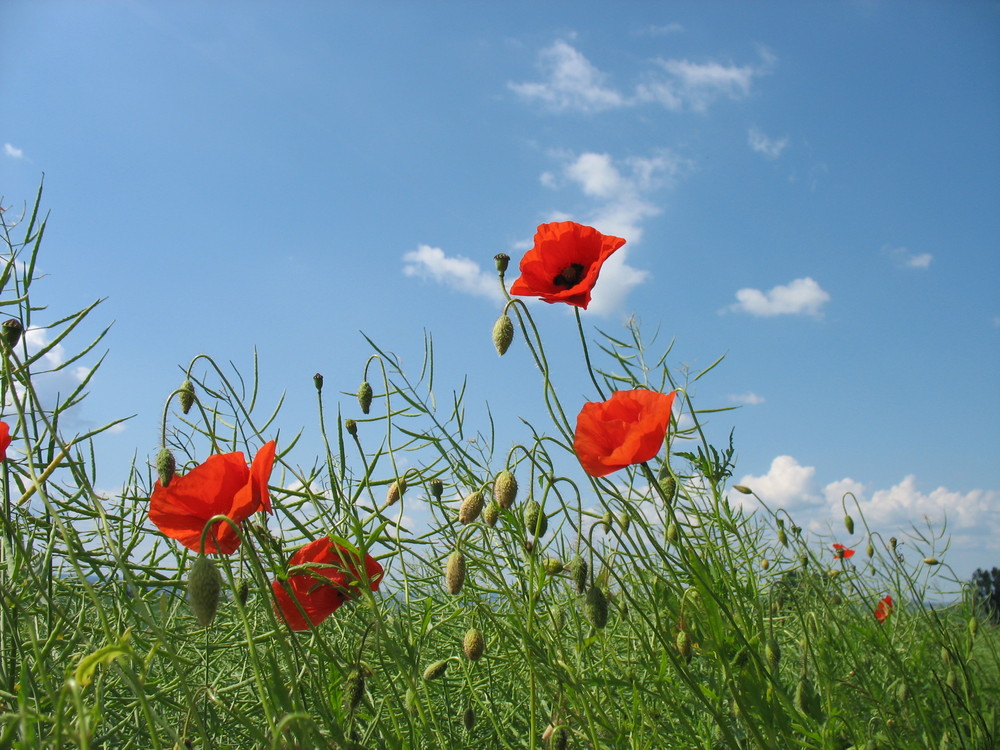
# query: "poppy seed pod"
491,513
503,334
166,465
10,333
578,567
203,589
505,489
471,507
395,491
473,645
502,261
354,688
186,396
596,607
437,488
318,381
454,572
365,396
535,522
435,670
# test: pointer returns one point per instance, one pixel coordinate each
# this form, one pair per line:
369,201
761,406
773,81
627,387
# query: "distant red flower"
4,440
841,552
222,485
627,429
883,609
318,598
565,262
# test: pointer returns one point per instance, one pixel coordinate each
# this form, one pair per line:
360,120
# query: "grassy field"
543,604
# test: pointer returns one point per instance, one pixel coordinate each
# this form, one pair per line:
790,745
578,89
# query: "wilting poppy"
565,262
883,609
331,577
627,429
222,485
4,440
841,552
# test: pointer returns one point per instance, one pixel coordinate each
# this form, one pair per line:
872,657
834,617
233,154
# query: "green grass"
722,630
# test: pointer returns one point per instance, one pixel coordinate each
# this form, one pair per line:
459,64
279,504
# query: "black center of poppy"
569,276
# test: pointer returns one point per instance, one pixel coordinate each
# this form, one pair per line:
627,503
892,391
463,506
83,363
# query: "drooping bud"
932,561
469,719
435,670
454,572
973,626
606,521
742,488
535,522
668,485
684,647
553,566
673,533
365,396
471,507
10,333
395,491
503,334
473,645
578,567
505,489
491,513
765,564
596,607
166,465
242,591
186,396
870,550
203,589
849,524
437,488
502,261
782,536
318,382
806,700
893,543
354,688
772,651
624,520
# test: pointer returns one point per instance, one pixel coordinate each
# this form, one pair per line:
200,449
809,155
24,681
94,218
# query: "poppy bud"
973,626
782,536
354,688
411,700
469,719
186,396
395,491
902,692
471,507
743,489
892,543
669,486
491,513
772,651
806,700
502,261
596,607
473,644
435,670
365,396
203,589
849,524
606,521
578,567
870,550
318,381
804,559
684,646
437,488
505,489
673,533
932,561
454,572
624,521
242,590
166,465
10,333
765,564
351,426
535,522
503,334
553,566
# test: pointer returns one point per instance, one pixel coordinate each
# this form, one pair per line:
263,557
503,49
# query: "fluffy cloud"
455,271
572,83
771,148
12,151
749,398
905,258
800,297
786,485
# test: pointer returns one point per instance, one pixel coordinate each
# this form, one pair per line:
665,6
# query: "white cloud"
762,144
905,258
663,29
572,83
786,485
12,151
455,271
800,297
749,398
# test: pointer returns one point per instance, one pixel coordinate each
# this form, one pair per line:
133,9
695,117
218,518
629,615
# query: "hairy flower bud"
503,334
491,513
673,533
743,489
624,521
606,521
505,489
354,688
469,719
684,648
435,670
773,654
471,507
535,522
203,589
242,591
454,572
553,566
395,491
166,465
578,567
668,485
365,396
596,607
473,644
186,396
849,524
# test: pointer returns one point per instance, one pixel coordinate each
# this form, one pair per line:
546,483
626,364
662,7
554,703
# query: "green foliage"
986,591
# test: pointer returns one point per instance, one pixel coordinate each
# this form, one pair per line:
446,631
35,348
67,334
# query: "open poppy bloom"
222,485
4,440
841,552
627,429
330,578
565,262
883,609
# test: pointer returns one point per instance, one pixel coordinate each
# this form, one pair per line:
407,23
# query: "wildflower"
883,609
628,428
841,552
564,264
223,485
322,576
4,440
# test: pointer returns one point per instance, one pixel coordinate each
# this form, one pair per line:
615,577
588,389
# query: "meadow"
593,586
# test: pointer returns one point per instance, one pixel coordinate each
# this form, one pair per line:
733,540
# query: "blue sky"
809,189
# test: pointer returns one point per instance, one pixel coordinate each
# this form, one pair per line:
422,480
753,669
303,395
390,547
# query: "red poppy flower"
318,598
883,609
841,552
222,485
627,429
4,440
565,262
